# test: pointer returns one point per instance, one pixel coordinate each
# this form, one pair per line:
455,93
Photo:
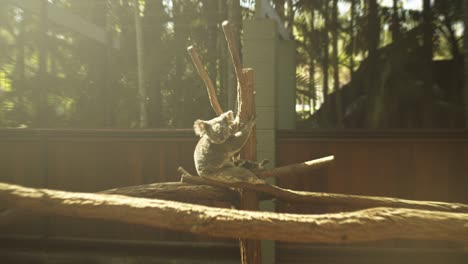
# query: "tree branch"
296,169
316,198
365,225
206,79
234,51
179,191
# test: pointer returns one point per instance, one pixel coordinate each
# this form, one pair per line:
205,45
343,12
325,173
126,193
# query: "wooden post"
250,249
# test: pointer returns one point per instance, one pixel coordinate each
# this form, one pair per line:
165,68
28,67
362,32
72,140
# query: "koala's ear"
200,127
230,115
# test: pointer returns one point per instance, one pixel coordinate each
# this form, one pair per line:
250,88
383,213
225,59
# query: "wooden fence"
425,165
420,165
90,161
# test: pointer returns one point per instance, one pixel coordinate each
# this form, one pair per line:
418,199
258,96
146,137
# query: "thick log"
365,225
179,191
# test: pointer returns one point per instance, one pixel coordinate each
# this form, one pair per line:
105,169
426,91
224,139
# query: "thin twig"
294,169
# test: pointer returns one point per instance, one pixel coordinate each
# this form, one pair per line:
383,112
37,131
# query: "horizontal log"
317,198
365,225
179,191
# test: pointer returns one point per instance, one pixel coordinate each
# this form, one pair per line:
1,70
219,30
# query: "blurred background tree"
360,63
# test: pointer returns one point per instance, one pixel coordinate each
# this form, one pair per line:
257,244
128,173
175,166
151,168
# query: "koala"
220,138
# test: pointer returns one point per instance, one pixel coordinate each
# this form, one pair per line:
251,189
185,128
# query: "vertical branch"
206,79
234,54
246,112
250,249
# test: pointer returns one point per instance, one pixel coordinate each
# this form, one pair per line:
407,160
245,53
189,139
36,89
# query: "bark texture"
317,198
366,225
179,191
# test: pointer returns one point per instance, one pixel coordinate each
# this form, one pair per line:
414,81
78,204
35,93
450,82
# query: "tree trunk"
352,40
428,100
20,80
373,28
465,49
279,7
153,30
102,65
312,92
181,102
143,118
289,16
336,71
395,22
374,112
325,62
41,89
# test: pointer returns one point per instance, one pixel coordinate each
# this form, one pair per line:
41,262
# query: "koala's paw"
235,175
251,165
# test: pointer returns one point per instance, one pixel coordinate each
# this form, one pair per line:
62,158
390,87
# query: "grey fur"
220,140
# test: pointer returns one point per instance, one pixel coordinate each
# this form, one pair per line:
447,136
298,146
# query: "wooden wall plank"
21,162
407,165
426,166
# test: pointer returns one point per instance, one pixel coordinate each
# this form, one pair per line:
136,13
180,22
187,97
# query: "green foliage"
361,30
88,84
